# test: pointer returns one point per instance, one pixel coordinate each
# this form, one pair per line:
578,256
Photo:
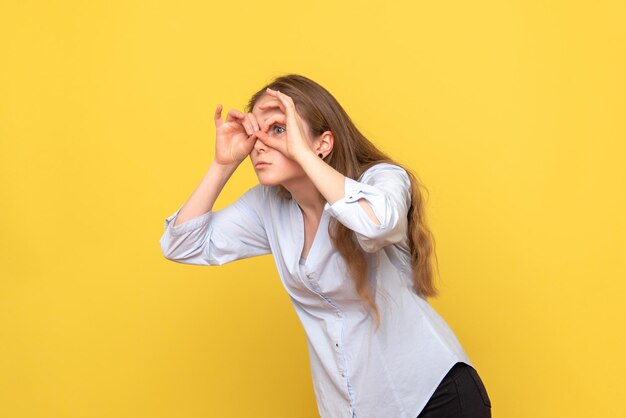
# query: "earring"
321,155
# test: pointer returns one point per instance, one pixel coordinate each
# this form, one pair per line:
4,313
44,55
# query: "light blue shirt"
357,371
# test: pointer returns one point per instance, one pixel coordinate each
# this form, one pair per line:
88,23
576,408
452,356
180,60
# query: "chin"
267,181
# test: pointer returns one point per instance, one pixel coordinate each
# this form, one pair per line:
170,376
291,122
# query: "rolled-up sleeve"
387,189
218,237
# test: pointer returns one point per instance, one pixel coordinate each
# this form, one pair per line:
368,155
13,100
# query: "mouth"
261,164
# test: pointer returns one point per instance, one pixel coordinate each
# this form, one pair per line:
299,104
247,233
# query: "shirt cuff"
354,191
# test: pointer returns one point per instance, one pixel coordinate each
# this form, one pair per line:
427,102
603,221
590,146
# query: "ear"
324,143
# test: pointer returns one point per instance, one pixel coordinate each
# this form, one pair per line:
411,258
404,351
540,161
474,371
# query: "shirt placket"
338,344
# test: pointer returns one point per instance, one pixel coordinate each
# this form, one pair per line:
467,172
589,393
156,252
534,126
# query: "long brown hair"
352,154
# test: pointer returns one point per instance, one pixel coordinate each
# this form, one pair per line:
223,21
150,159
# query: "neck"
308,197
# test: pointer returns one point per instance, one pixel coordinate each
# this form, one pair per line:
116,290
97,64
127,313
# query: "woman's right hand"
234,138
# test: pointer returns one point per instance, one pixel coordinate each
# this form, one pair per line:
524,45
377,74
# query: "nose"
259,145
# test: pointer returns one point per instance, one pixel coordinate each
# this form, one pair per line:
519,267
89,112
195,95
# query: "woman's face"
272,167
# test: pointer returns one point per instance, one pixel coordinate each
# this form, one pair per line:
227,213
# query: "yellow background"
511,112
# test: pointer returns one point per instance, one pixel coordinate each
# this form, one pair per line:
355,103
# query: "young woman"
346,227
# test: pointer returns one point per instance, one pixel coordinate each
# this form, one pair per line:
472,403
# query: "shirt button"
336,344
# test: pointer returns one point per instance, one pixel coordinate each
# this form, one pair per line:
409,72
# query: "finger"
249,143
234,114
284,99
256,121
218,116
273,104
247,125
268,140
253,122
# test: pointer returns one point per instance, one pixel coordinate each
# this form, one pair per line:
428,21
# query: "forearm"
329,182
202,199
326,179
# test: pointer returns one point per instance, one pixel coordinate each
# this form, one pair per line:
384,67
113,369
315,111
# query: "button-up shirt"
358,371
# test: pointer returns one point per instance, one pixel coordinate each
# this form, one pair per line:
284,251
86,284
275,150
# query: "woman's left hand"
295,144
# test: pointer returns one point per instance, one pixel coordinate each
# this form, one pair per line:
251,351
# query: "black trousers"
461,394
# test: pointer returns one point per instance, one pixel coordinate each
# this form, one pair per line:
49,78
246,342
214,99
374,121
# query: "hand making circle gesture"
234,138
296,142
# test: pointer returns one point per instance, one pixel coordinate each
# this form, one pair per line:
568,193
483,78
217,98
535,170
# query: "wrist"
225,167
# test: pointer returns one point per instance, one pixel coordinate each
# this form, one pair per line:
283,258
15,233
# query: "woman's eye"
278,127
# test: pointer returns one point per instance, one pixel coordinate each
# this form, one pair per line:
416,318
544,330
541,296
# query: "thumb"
268,140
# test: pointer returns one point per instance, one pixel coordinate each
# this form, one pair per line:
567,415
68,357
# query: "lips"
261,164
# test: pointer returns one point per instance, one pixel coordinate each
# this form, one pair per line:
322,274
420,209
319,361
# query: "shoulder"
385,171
